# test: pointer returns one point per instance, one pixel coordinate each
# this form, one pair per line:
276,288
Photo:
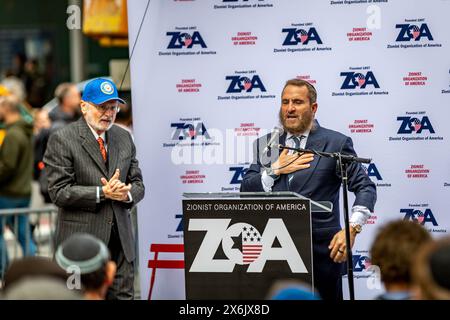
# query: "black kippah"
83,251
81,247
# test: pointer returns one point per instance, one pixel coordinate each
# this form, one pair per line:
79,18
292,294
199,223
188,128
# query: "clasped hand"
114,189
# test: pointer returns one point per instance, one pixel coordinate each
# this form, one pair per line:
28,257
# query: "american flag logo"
417,124
246,83
192,133
251,244
186,39
419,216
303,35
361,79
415,32
367,263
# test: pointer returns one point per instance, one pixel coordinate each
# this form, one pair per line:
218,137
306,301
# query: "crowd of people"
413,266
82,269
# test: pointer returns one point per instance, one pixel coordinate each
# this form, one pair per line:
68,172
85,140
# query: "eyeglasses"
103,108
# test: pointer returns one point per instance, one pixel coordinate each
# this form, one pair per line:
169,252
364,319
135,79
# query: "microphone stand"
343,161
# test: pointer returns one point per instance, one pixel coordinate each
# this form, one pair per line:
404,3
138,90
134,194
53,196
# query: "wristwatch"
356,227
272,174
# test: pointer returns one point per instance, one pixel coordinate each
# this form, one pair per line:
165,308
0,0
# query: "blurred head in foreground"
393,250
36,278
431,271
292,290
89,257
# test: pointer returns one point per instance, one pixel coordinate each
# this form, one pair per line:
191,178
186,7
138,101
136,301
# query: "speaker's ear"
314,107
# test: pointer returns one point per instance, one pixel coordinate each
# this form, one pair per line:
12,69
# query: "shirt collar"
103,135
305,134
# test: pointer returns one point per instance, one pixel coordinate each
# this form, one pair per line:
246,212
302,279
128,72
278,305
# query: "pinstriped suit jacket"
74,166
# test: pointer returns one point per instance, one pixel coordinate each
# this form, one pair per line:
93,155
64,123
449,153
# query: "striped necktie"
102,148
297,141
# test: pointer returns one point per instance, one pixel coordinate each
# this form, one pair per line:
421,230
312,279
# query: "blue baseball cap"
101,90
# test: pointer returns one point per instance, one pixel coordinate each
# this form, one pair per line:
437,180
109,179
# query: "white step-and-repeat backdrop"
206,81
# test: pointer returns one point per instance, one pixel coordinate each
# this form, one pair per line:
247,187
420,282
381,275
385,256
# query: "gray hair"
16,87
62,90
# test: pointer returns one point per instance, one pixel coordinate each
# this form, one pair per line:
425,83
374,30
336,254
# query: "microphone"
274,137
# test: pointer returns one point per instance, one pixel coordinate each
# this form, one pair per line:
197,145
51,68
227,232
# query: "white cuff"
97,199
360,214
267,181
130,198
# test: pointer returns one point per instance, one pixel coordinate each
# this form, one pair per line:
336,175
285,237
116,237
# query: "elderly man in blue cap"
94,179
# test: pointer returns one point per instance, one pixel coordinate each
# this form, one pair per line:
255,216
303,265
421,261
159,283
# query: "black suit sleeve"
62,187
252,179
358,180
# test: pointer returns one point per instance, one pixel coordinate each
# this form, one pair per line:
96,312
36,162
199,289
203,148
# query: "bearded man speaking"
316,178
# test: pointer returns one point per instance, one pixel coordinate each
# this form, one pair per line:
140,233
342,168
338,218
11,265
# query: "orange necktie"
102,148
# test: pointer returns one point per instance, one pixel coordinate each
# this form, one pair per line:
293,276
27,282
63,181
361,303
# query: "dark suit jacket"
74,167
320,182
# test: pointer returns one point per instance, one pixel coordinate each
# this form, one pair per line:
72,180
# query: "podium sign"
237,248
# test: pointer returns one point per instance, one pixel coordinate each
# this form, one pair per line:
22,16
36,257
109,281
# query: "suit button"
110,221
